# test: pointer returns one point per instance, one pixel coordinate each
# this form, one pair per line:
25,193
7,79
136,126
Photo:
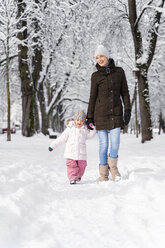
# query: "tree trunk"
58,124
161,124
37,69
36,115
26,85
8,87
136,118
48,95
144,104
41,98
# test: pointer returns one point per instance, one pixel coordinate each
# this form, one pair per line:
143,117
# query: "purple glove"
50,149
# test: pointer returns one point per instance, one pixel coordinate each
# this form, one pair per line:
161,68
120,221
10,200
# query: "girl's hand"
90,123
50,149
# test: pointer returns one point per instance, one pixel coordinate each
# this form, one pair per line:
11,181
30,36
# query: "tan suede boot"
104,173
113,168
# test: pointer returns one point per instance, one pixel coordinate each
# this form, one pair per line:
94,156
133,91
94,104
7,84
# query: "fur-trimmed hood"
69,122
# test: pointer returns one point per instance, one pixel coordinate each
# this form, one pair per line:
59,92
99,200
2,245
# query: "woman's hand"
127,116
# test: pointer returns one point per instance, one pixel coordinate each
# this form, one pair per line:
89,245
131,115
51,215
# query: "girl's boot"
104,173
113,168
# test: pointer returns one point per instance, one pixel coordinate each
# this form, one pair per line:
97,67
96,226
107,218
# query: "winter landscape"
40,209
47,58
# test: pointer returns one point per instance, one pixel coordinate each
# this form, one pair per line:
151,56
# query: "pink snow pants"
75,168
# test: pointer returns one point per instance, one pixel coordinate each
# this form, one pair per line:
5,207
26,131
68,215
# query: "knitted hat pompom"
101,50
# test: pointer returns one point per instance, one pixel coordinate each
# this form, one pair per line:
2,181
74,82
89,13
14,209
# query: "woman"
105,110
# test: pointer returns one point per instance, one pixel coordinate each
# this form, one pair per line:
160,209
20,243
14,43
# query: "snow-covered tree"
8,41
57,40
144,27
27,88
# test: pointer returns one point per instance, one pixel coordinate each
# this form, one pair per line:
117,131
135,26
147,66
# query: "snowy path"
40,209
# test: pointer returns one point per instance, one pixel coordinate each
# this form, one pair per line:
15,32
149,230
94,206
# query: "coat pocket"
118,110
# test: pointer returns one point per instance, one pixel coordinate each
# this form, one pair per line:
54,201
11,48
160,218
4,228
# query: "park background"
46,61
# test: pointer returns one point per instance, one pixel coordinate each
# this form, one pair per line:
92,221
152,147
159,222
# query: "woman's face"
102,60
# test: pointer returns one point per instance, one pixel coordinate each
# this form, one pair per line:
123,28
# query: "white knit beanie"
101,50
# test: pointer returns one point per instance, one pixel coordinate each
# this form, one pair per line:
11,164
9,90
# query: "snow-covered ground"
40,209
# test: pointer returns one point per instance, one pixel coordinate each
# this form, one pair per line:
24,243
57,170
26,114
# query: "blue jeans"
104,144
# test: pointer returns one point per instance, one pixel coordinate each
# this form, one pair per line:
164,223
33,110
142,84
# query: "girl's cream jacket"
75,139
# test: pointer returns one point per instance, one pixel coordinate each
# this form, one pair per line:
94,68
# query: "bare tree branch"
11,57
125,7
142,12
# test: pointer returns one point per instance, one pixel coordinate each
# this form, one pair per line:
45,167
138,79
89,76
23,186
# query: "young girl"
75,136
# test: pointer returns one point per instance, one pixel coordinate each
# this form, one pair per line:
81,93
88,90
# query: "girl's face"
102,60
79,123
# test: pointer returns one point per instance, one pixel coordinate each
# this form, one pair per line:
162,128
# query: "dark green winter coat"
109,92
